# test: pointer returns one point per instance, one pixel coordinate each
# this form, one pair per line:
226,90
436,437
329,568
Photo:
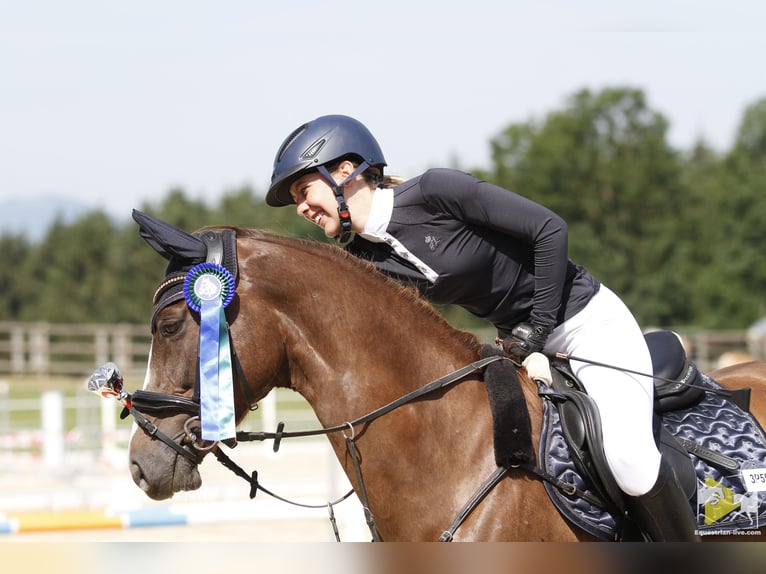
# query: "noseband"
107,382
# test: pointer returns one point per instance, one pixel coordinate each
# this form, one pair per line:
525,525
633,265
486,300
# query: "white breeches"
605,331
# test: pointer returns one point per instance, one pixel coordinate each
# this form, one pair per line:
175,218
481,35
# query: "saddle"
677,382
572,436
581,423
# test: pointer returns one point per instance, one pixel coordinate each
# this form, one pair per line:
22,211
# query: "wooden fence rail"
72,349
77,349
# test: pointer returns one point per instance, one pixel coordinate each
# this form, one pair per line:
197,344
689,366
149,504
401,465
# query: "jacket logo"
432,241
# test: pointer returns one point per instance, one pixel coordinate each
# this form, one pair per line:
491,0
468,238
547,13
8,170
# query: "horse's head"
170,398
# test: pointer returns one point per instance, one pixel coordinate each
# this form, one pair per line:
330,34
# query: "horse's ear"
168,240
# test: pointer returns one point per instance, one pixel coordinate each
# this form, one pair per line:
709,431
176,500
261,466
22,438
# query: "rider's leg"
605,331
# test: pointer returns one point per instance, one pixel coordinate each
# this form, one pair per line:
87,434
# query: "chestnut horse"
311,318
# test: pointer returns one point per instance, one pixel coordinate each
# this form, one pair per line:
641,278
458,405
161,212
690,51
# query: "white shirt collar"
381,209
380,215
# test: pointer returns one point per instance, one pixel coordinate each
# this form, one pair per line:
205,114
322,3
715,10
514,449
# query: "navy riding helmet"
316,143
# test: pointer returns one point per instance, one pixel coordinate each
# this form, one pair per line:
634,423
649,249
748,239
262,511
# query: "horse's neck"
358,368
368,348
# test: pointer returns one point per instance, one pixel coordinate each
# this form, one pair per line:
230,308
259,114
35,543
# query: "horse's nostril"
136,472
139,478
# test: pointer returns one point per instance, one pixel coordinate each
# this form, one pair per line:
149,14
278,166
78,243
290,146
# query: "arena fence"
72,349
77,349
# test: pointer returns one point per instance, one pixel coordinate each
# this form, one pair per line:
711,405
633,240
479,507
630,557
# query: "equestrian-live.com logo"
722,504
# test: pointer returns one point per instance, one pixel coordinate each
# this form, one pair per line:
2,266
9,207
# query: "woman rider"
460,240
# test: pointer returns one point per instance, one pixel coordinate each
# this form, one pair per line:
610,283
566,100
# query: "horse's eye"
170,327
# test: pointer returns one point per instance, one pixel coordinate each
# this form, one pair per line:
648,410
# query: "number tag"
754,479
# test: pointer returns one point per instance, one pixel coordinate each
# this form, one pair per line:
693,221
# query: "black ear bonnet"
183,251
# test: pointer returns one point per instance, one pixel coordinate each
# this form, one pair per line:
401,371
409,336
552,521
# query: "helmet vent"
290,139
315,148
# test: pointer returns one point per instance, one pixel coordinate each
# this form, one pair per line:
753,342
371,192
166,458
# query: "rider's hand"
525,339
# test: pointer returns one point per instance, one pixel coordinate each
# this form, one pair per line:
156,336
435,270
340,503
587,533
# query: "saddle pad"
723,502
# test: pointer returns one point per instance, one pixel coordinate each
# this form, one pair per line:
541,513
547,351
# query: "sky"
110,104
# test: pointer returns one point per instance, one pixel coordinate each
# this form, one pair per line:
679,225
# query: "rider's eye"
170,328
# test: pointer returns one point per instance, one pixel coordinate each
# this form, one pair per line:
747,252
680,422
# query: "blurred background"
643,126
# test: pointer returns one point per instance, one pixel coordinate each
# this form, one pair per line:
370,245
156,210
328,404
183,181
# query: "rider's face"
314,200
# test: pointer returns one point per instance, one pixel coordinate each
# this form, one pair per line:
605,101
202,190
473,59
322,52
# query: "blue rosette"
208,289
203,280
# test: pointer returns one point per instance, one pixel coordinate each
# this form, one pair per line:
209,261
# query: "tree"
139,271
698,224
603,163
737,266
14,286
751,134
72,274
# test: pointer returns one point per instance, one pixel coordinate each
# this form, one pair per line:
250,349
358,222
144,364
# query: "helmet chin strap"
337,189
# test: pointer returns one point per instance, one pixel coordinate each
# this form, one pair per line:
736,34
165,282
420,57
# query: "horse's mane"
340,257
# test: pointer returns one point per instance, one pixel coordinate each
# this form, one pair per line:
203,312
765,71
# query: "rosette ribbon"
208,289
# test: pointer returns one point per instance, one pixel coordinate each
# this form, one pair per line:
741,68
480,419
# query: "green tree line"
679,234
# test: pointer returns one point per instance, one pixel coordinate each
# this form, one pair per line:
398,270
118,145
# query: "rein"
439,383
